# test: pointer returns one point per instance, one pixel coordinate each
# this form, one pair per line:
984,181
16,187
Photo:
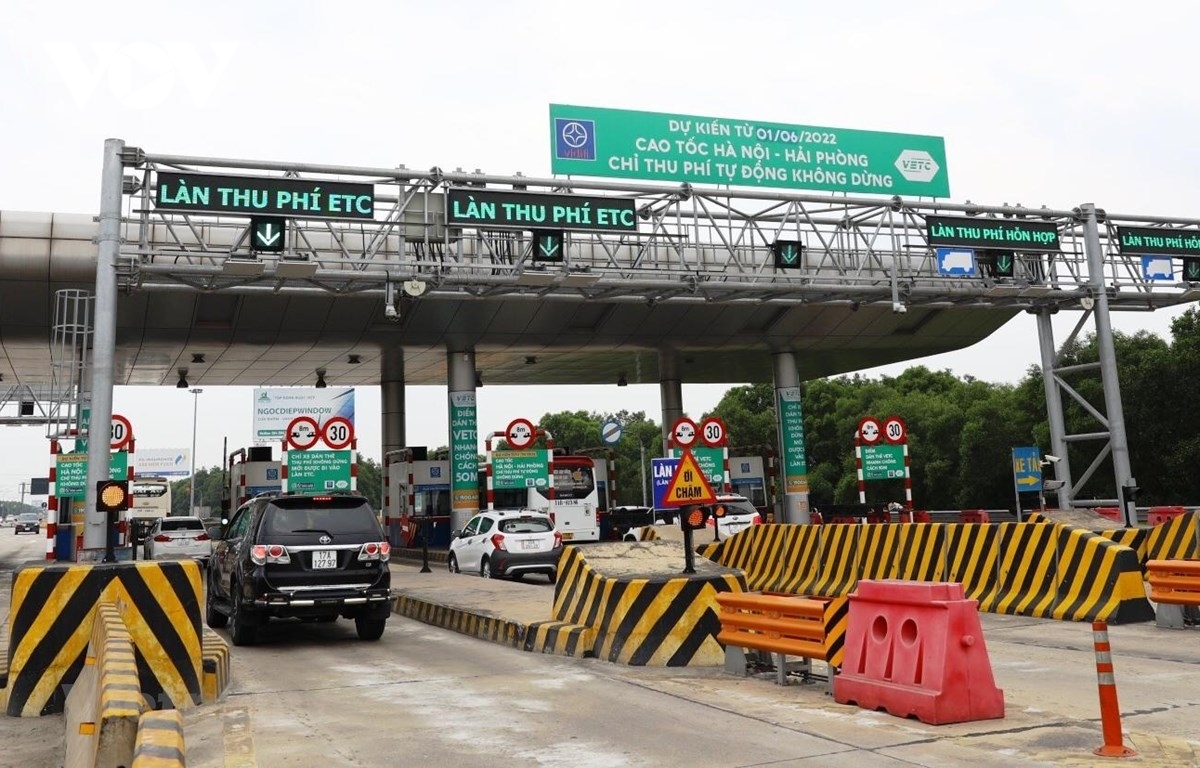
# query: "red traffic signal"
112,495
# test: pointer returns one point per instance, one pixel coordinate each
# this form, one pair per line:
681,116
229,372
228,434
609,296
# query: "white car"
506,543
173,538
733,514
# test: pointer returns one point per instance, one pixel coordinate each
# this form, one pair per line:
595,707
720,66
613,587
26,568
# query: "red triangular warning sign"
688,485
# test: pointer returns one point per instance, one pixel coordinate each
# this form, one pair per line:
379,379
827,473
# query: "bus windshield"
571,480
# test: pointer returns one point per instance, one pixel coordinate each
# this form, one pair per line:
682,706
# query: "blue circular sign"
610,431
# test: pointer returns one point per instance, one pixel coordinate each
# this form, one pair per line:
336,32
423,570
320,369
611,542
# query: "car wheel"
369,629
485,568
241,632
452,564
212,616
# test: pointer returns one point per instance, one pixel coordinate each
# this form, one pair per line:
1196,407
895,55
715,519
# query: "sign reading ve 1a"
688,485
547,245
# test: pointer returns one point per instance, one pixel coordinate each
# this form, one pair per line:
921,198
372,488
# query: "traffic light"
787,254
112,495
693,518
1003,263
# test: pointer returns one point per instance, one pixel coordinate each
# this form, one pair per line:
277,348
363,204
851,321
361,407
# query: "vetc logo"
917,165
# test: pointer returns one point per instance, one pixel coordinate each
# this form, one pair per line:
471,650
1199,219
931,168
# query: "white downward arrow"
265,236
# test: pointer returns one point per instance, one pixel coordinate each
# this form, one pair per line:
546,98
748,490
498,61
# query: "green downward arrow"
1193,270
548,247
789,254
1004,263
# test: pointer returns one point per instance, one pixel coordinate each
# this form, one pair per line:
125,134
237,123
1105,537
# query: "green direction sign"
547,246
882,462
464,456
968,232
1158,241
524,210
70,472
1004,264
591,141
267,234
264,196
1191,269
319,471
791,437
520,469
711,462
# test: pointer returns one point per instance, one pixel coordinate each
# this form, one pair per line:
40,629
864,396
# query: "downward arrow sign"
789,254
548,247
1004,263
265,236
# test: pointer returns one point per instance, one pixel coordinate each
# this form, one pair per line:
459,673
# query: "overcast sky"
1055,103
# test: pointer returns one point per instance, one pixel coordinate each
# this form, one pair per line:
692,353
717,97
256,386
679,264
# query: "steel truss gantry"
693,244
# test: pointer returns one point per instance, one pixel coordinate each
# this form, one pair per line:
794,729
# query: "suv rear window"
526,525
338,515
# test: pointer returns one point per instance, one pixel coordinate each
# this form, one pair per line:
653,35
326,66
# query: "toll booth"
252,471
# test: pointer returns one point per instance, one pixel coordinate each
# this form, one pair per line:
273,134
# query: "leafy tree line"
961,431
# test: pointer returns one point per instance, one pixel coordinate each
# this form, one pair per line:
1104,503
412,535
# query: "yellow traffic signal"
693,518
112,495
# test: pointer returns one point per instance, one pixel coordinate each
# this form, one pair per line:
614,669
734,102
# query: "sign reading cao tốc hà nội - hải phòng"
593,141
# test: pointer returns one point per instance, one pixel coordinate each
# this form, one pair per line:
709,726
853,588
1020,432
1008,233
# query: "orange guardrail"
793,626
1175,582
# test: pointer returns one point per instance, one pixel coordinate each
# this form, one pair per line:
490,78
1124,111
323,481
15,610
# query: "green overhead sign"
263,196
592,141
1159,241
525,210
981,232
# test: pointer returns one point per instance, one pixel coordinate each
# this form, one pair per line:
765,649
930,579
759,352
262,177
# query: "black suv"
315,557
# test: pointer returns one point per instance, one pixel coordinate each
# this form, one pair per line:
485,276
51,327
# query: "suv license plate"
324,558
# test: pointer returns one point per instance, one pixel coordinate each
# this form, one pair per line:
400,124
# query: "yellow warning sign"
688,485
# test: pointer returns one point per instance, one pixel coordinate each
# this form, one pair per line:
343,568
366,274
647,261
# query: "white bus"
151,497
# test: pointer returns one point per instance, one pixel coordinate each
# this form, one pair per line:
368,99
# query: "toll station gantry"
248,272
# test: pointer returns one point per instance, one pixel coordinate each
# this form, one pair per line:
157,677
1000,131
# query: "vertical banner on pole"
464,454
791,441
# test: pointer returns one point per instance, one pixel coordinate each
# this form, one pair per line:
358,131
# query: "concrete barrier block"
160,740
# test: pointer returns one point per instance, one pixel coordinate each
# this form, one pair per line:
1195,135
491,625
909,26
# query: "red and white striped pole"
52,505
862,482
1110,711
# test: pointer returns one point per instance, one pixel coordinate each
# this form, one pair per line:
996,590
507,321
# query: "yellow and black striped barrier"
491,628
560,638
1032,569
50,620
160,740
668,621
1176,539
214,660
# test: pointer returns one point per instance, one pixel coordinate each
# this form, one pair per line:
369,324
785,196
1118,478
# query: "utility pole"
22,493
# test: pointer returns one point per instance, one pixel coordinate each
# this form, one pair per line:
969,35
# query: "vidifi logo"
917,165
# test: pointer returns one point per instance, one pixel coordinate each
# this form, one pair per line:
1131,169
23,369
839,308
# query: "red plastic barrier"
916,648
1160,515
1112,513
915,516
974,516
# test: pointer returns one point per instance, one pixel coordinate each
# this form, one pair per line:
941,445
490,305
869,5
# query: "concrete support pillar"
391,391
793,464
464,437
670,390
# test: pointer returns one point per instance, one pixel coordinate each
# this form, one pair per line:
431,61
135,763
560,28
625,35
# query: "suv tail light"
162,537
498,541
557,539
375,550
202,537
262,554
757,520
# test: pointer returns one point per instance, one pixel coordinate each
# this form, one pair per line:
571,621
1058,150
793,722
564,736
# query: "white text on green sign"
263,195
592,141
70,472
524,210
1017,234
319,470
882,462
520,469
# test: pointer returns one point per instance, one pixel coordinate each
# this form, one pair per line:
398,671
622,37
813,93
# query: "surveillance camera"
414,287
1049,457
